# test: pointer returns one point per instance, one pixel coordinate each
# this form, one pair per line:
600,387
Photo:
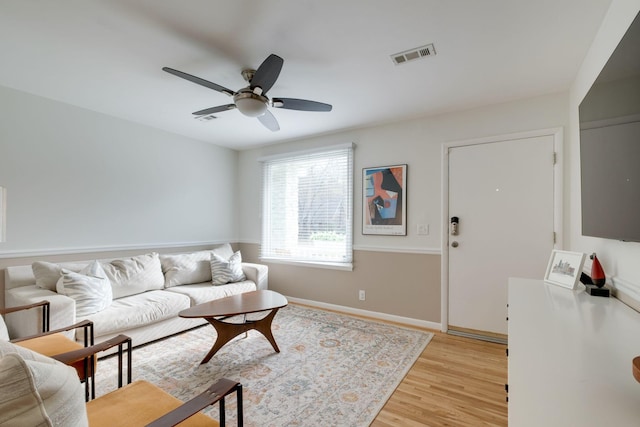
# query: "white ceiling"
107,55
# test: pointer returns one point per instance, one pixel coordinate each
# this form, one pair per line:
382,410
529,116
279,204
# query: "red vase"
597,273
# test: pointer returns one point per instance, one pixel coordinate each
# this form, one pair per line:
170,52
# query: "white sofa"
147,292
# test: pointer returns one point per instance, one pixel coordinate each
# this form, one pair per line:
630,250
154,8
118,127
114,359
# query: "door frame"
558,188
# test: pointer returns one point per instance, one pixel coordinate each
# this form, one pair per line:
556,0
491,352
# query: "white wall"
416,143
620,260
79,180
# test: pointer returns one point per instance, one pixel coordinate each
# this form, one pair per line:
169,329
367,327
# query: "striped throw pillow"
90,288
225,271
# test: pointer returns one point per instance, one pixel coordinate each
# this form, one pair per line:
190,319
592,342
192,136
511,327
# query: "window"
308,206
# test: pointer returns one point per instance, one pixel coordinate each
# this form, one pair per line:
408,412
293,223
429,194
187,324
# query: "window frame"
298,155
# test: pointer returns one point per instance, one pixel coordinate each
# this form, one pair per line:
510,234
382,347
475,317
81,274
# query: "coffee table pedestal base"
228,331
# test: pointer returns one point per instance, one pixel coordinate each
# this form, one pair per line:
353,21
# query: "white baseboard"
373,314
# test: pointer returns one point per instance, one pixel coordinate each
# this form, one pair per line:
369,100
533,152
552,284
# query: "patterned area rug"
332,370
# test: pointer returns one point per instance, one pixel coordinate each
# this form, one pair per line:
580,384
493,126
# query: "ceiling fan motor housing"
250,104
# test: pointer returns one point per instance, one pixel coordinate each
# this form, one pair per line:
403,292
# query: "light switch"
423,229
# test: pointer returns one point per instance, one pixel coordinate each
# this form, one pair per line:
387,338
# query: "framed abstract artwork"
384,200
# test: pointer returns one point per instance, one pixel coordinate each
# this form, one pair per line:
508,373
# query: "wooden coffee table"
217,311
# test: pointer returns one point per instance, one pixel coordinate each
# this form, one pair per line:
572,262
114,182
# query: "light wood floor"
456,382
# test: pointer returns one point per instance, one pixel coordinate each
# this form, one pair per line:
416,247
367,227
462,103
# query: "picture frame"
564,268
384,200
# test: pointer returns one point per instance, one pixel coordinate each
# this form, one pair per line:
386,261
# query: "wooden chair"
143,404
52,343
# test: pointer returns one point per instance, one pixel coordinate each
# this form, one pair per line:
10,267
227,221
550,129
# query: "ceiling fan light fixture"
250,104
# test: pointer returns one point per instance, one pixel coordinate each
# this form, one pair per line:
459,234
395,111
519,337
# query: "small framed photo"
564,268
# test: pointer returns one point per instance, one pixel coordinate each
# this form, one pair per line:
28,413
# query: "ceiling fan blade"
267,74
269,121
199,81
300,104
213,110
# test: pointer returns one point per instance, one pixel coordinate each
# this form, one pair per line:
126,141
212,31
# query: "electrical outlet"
361,295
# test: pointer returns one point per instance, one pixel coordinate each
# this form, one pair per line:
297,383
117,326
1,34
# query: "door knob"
454,244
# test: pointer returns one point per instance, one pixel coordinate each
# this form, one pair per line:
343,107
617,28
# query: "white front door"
503,196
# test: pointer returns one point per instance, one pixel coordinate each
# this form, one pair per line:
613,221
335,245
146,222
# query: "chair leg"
222,413
129,360
246,334
45,317
92,369
240,410
85,365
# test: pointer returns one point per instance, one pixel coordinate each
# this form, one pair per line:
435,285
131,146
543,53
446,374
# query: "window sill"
344,266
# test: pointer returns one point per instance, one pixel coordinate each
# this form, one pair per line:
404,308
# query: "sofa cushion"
130,276
193,267
90,288
203,292
184,269
225,271
137,310
38,391
47,273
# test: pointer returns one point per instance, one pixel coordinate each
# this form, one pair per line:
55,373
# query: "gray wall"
80,180
400,274
94,185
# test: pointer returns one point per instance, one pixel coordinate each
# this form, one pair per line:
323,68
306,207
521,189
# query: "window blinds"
308,207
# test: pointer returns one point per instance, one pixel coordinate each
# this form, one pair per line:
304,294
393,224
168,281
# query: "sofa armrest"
46,309
28,322
257,273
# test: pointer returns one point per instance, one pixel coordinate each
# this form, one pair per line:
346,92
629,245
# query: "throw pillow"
225,250
4,332
37,390
184,269
48,273
131,276
90,288
20,403
225,271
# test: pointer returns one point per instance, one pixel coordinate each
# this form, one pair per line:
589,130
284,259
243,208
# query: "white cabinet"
570,358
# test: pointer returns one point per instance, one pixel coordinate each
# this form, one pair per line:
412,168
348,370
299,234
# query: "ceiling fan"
252,101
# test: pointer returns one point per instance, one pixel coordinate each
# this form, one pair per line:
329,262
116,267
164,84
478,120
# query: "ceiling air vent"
416,53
